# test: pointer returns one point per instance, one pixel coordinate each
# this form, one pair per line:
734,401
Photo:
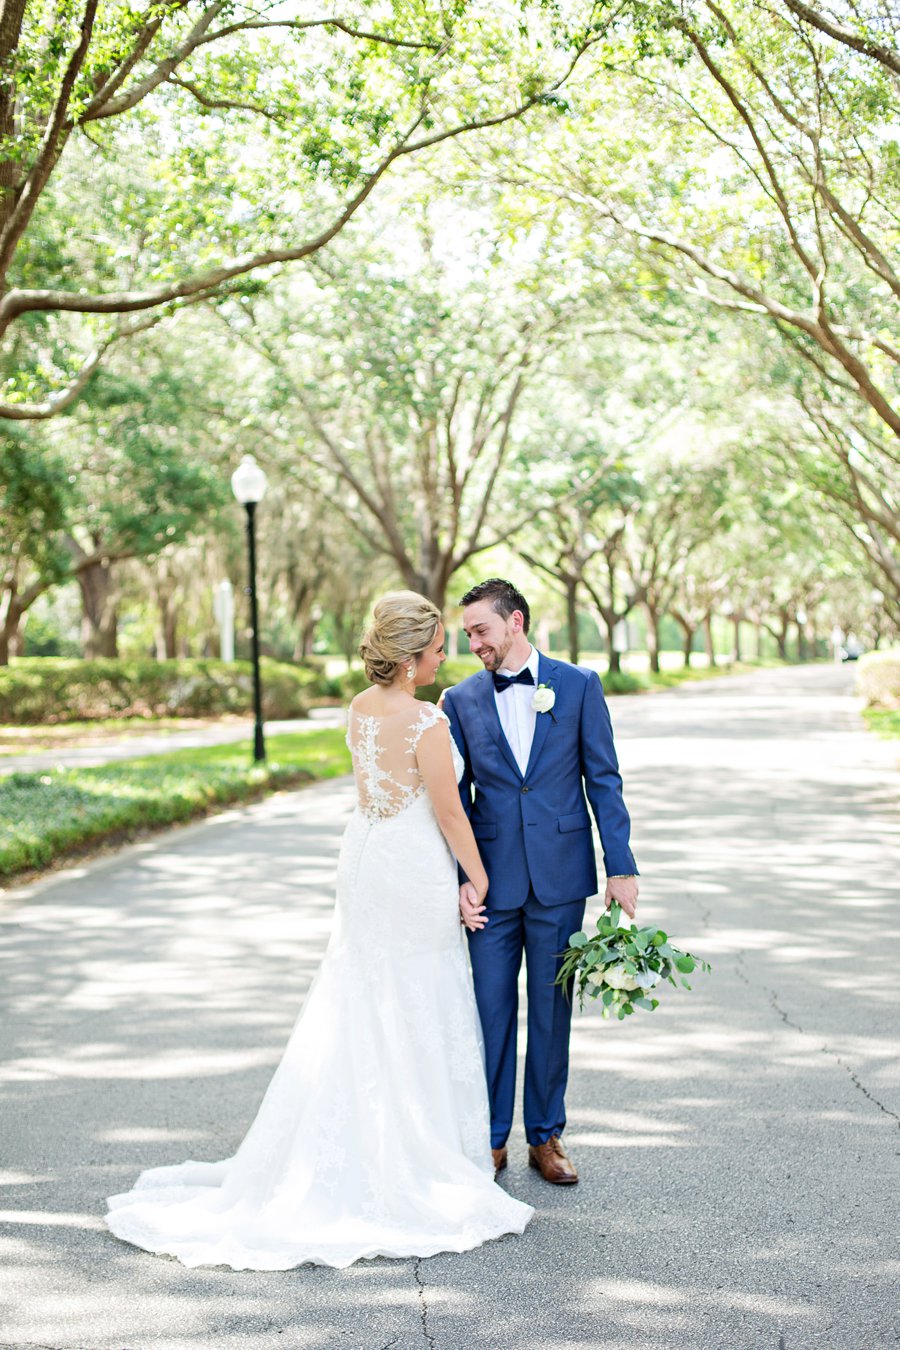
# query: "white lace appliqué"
386,790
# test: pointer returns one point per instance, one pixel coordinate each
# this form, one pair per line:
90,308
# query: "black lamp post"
248,483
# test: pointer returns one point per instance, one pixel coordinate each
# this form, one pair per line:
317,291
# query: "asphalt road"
738,1148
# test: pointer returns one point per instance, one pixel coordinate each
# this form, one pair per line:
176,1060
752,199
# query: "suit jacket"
533,830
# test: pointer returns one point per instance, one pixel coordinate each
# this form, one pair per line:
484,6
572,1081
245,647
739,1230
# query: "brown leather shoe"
552,1162
499,1155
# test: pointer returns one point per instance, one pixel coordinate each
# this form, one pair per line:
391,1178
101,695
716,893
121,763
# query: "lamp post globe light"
248,483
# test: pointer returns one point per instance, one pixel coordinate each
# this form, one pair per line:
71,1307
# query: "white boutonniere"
544,699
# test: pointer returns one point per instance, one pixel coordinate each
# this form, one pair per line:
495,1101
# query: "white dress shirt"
517,717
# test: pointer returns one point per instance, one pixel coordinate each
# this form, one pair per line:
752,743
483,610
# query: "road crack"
825,1049
423,1305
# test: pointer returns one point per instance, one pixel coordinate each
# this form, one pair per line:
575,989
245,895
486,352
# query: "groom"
536,738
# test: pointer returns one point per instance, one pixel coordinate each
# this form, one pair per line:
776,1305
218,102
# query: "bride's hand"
471,908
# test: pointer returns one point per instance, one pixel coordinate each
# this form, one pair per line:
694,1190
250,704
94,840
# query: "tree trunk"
801,642
737,654
572,619
653,637
307,639
688,630
688,645
708,640
17,606
99,631
168,636
9,633
759,641
615,657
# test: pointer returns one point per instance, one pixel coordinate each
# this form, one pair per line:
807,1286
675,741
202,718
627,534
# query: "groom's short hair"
504,598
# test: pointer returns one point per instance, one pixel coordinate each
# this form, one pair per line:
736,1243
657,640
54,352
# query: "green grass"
885,722
46,816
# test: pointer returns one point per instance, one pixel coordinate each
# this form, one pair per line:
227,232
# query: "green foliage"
622,955
34,505
191,138
46,816
148,473
885,722
621,682
48,690
878,679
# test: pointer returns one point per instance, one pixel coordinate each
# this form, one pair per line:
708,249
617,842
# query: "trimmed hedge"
47,690
878,679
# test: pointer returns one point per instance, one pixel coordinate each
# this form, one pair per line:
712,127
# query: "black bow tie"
502,682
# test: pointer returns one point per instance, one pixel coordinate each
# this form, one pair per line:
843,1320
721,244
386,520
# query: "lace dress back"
384,757
373,1136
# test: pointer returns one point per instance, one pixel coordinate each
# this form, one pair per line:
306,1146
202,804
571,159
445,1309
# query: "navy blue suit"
534,834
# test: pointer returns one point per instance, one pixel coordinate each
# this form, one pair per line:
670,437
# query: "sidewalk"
738,1148
161,743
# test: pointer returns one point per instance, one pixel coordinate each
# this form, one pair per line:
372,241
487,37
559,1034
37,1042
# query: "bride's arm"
439,776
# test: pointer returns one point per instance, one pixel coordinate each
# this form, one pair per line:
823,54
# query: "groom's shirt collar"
531,664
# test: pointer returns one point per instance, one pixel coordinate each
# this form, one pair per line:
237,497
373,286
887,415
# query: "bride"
373,1136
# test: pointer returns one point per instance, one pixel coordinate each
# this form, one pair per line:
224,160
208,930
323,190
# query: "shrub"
620,682
49,690
878,679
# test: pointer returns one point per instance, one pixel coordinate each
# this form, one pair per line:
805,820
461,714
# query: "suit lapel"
547,670
484,697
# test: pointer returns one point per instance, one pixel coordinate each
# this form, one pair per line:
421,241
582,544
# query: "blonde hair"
403,626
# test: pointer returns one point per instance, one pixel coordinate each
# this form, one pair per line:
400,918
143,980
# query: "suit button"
524,789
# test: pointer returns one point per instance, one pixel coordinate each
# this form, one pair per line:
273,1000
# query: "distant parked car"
852,649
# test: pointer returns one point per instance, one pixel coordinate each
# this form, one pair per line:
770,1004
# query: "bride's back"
382,733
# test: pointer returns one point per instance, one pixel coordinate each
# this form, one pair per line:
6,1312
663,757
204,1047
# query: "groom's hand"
624,891
471,910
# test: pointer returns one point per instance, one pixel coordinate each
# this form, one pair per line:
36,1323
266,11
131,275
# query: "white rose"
648,979
617,977
544,699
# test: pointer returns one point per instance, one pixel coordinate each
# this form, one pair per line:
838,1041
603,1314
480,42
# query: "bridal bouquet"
623,964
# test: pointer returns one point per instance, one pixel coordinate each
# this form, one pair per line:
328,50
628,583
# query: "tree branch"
885,55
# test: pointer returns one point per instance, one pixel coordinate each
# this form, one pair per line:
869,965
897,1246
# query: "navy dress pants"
541,932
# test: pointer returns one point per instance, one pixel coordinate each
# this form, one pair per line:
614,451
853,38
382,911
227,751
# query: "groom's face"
490,635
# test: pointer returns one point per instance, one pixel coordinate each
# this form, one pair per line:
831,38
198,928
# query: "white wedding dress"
373,1136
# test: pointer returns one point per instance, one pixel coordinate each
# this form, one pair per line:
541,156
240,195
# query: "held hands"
624,891
471,907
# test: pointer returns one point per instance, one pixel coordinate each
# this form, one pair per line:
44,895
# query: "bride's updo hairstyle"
404,625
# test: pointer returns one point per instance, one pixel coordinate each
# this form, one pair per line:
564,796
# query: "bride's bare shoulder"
378,702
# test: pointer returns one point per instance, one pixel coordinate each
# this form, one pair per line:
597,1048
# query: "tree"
743,150
221,141
682,507
147,470
401,402
582,547
34,505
